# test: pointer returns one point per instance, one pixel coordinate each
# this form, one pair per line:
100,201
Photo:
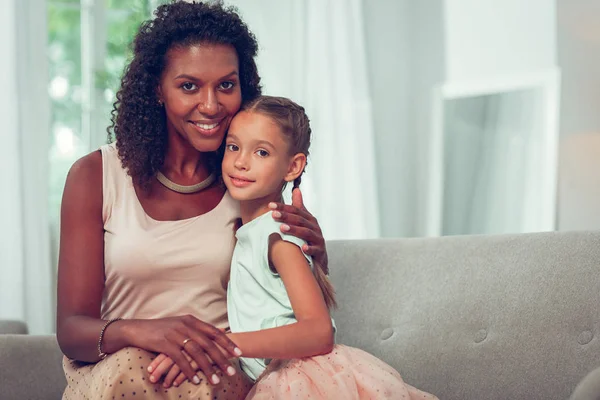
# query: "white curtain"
26,272
314,52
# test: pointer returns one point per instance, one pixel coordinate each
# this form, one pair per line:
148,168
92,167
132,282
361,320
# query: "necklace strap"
169,184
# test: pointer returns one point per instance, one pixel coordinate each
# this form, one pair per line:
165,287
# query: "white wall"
579,60
491,38
415,47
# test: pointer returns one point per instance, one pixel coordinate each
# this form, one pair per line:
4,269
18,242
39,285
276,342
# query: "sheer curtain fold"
314,52
331,72
26,271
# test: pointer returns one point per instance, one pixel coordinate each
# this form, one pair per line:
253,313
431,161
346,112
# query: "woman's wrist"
118,335
101,353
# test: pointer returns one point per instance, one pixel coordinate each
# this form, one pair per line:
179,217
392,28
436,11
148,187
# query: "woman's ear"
296,167
159,96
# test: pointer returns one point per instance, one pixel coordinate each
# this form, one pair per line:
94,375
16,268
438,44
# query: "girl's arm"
313,333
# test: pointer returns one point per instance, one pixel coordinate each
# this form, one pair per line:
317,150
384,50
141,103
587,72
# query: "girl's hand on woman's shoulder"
299,222
191,344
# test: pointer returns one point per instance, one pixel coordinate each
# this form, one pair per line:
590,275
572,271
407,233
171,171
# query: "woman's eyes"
226,85
189,86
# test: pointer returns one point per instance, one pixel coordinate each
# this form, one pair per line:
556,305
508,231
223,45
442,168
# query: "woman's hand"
299,222
177,336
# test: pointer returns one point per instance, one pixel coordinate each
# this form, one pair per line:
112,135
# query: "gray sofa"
468,317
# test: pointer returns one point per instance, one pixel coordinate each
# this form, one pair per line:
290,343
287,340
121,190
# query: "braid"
297,181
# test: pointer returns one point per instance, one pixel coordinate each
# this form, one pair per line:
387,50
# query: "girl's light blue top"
256,296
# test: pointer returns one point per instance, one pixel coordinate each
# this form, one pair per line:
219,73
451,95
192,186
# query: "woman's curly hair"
138,121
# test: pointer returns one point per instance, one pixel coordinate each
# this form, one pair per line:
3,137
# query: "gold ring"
185,341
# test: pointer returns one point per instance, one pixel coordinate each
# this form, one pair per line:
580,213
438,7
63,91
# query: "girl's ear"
296,167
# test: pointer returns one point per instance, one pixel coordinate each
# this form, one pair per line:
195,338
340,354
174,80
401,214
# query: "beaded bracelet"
102,354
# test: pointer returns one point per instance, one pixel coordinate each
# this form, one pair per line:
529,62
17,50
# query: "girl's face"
201,93
257,159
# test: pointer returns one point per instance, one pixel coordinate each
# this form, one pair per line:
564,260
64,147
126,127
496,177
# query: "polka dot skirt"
123,375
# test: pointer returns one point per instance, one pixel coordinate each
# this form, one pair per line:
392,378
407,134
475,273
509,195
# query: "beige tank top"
156,269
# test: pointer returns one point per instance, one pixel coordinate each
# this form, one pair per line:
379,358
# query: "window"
88,46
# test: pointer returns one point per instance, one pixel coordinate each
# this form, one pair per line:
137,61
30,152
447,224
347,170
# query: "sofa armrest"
31,367
589,387
13,327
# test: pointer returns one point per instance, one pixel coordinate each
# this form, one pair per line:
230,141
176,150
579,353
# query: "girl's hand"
299,222
175,337
163,365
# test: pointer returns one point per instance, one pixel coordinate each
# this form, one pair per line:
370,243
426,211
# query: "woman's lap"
123,375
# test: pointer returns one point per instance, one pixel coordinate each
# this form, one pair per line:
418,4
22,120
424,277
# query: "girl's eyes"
262,153
226,85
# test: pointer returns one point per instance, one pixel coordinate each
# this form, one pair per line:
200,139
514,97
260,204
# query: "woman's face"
201,92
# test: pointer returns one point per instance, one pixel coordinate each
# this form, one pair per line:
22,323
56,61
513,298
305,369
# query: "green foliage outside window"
120,20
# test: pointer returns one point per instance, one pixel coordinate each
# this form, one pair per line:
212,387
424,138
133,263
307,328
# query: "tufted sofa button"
387,333
585,337
480,335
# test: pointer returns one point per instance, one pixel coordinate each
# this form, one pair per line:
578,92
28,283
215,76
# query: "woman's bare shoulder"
85,177
88,166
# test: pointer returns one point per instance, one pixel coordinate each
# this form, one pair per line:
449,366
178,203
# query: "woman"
147,228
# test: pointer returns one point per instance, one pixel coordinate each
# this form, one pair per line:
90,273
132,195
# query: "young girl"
278,304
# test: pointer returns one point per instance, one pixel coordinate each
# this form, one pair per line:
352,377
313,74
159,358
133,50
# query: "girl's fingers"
175,344
171,375
180,379
161,369
156,362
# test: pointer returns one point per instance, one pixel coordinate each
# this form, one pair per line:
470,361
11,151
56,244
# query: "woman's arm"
81,265
299,222
81,284
313,333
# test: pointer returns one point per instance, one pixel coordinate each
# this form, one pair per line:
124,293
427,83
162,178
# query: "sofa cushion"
475,317
31,368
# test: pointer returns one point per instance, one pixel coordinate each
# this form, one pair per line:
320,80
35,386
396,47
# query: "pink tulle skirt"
345,373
